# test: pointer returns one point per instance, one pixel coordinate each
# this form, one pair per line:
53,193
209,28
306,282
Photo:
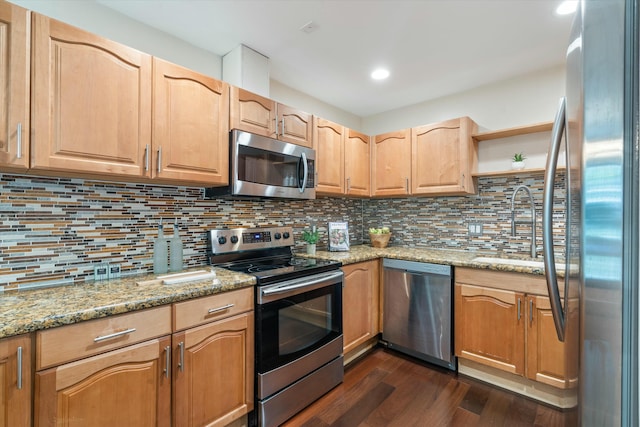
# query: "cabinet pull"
167,361
114,335
159,159
19,363
282,128
530,311
463,181
19,140
219,309
146,158
519,310
406,184
181,360
348,184
276,121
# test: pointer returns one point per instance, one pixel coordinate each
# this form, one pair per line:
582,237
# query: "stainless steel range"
298,316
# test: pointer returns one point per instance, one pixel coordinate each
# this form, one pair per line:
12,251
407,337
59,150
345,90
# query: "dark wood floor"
389,389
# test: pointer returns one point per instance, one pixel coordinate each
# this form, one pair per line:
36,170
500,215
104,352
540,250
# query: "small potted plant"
379,237
311,237
517,162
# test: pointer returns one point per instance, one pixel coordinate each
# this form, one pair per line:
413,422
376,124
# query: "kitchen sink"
516,262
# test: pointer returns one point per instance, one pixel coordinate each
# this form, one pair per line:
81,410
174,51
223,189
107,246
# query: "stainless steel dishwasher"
417,312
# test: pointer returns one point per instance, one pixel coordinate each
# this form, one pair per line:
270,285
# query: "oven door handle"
313,282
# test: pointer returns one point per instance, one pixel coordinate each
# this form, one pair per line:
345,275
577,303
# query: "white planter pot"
311,248
517,165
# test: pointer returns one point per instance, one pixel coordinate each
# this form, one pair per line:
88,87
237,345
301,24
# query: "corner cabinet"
213,354
511,329
91,102
14,79
391,163
15,380
443,158
361,303
256,114
190,126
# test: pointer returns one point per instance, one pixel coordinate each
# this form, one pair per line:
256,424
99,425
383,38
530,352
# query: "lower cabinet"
213,362
15,380
360,303
510,330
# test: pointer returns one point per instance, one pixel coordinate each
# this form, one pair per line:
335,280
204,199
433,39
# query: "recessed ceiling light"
567,7
380,74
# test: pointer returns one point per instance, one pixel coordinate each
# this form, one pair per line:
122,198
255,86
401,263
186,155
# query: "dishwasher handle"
414,267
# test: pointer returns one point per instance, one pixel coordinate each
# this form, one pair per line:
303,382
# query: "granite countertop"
32,310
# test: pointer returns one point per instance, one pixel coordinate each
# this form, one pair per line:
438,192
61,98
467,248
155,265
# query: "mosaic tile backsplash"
55,230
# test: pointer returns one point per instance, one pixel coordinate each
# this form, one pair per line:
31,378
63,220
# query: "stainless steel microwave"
267,167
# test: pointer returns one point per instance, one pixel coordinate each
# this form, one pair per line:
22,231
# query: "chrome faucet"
531,221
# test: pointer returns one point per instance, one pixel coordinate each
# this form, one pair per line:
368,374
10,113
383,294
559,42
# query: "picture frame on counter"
338,236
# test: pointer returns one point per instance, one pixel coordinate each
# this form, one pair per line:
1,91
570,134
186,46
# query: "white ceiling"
433,48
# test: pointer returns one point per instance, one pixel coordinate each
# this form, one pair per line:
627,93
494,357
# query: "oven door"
297,317
267,167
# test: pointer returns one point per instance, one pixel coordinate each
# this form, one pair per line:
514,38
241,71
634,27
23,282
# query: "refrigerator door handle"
547,220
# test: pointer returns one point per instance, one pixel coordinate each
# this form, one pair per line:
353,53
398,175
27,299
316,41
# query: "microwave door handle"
305,172
547,221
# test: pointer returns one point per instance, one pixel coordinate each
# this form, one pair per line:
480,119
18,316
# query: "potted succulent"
311,237
517,162
379,237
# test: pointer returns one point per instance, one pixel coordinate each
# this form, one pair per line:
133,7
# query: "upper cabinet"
190,126
391,163
357,163
256,114
329,144
443,158
91,102
14,79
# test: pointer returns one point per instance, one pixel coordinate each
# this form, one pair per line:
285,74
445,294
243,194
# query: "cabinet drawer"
202,310
72,342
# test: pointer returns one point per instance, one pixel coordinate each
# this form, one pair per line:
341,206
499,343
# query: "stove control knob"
222,240
286,235
277,236
234,239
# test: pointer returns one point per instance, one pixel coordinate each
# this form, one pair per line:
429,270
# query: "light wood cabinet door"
125,387
15,380
190,126
357,163
442,157
252,113
14,80
490,327
546,355
361,303
91,102
329,143
294,126
213,372
391,162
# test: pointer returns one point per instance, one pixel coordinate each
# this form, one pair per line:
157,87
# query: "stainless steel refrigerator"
596,307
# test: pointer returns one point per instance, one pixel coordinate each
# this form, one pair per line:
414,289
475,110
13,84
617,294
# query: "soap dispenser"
160,250
176,250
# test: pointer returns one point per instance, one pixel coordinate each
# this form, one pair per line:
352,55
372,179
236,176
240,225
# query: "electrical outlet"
475,229
100,272
114,271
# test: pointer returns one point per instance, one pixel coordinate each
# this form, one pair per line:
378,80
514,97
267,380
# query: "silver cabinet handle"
181,360
19,363
282,128
463,181
146,158
348,185
276,121
406,184
159,159
519,310
219,309
19,140
530,311
114,335
167,361
547,222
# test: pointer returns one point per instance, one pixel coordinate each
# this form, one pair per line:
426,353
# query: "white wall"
101,20
524,100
